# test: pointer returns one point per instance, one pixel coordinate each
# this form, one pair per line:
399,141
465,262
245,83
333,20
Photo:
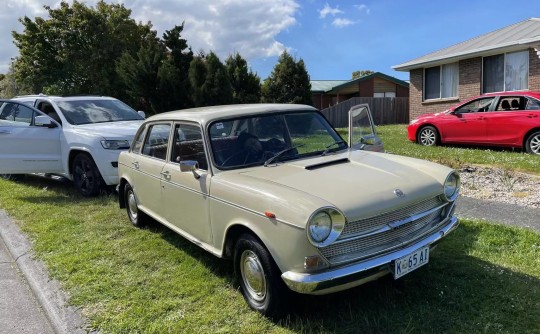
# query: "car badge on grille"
399,193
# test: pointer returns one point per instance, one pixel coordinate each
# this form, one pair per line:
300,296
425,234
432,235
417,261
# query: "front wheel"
533,143
86,175
428,136
259,277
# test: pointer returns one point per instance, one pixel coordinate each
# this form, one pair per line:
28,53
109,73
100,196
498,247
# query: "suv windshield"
270,138
97,111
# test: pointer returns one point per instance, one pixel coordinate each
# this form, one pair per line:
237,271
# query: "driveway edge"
64,319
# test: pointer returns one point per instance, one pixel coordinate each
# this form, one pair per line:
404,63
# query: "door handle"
4,132
135,164
532,116
166,174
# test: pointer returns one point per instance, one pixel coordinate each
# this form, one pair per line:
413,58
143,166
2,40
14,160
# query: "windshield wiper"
280,153
329,147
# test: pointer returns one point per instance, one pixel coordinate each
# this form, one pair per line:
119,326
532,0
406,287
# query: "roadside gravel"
500,185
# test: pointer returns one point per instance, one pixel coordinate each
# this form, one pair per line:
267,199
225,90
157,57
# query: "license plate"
408,263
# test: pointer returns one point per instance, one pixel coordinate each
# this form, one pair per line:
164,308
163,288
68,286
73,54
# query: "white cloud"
250,27
363,8
340,23
329,10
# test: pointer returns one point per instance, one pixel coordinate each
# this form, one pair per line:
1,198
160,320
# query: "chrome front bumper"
346,277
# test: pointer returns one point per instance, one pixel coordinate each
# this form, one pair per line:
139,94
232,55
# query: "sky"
334,38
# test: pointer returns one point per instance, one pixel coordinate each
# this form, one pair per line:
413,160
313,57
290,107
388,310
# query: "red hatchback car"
510,119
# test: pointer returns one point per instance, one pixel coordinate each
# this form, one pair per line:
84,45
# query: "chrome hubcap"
132,205
535,144
253,275
427,137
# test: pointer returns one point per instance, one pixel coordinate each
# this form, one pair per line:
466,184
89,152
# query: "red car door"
508,126
467,123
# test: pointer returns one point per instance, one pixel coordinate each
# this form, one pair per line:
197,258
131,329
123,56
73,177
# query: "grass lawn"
395,141
481,279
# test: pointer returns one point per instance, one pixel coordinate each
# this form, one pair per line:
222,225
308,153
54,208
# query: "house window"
506,72
441,81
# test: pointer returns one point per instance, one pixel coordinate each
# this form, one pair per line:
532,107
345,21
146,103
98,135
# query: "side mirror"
142,113
44,121
190,166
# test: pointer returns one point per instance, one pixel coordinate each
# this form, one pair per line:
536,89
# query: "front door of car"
185,193
362,135
27,146
467,123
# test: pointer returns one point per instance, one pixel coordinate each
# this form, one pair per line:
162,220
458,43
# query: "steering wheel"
274,144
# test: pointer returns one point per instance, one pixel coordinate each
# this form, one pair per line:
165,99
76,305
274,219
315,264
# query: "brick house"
326,93
507,59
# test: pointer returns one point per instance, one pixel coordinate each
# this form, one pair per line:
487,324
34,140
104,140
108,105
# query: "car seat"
515,104
505,105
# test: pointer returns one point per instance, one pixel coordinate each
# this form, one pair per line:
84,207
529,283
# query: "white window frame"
440,83
504,72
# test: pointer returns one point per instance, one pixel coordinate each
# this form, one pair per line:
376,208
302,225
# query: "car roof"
205,115
515,93
62,98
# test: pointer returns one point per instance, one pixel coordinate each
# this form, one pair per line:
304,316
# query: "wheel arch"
423,126
73,153
526,137
121,190
232,235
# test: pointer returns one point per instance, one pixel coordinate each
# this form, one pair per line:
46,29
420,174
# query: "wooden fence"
385,110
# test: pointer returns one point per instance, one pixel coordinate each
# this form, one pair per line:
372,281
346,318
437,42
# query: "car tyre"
260,279
428,136
12,177
136,217
86,175
533,143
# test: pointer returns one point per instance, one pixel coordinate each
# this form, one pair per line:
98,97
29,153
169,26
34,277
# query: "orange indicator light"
269,214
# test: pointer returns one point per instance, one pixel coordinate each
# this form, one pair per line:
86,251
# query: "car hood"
112,130
360,184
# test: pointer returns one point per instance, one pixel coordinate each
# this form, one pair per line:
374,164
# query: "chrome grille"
374,223
373,235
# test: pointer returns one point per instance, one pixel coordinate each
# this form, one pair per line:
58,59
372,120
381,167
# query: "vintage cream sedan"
276,189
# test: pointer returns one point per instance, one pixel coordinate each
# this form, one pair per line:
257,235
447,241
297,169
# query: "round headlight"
320,226
451,186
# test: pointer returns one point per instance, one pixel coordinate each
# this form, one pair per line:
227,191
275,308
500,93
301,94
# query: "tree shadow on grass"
454,293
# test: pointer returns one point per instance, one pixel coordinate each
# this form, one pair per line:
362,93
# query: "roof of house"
340,86
325,85
511,38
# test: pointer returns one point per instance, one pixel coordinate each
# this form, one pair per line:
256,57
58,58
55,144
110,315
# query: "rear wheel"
428,136
533,143
12,177
136,217
259,277
86,175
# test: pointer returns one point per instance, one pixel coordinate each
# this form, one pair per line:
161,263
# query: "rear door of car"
513,117
185,193
467,123
24,146
146,165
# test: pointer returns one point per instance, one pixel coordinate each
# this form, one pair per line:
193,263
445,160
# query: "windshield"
97,111
262,140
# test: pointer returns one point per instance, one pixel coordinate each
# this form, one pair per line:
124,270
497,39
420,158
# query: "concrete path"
497,212
30,302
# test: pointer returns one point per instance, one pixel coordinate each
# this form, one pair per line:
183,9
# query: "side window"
188,145
508,103
137,143
16,113
156,141
532,104
479,105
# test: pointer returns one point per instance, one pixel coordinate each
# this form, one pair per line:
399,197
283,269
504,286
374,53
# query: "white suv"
77,137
